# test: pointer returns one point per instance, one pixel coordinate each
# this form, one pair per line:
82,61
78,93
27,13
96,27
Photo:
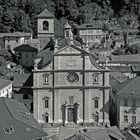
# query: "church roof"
66,41
46,55
45,14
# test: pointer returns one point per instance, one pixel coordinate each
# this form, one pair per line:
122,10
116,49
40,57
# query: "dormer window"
8,130
95,78
46,79
45,25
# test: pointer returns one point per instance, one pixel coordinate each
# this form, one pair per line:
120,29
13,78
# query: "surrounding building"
5,88
111,133
27,54
92,33
12,40
17,123
125,103
22,89
69,86
45,27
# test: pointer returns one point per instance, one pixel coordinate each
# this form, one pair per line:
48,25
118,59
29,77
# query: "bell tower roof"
45,14
67,26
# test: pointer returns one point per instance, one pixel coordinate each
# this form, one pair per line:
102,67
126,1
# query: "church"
69,86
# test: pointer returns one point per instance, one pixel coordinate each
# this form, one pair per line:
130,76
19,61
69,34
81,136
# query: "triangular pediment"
71,50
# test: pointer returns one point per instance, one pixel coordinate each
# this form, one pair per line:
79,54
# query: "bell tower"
68,31
45,31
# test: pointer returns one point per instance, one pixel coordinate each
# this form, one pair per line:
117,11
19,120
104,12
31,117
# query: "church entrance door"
70,114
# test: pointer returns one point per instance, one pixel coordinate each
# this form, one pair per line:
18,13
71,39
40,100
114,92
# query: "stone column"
87,107
57,106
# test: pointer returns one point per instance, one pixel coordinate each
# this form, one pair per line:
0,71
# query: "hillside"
20,15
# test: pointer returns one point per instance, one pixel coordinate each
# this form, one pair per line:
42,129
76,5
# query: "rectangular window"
125,102
133,119
26,54
125,118
46,103
96,104
133,103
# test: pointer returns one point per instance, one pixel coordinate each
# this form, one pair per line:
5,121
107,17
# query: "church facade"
69,86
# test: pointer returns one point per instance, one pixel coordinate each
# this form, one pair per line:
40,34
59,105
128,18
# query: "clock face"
72,77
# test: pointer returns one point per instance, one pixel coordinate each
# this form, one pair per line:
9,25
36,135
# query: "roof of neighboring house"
25,47
131,135
98,135
129,87
4,83
91,26
20,79
15,34
120,68
119,76
16,120
45,14
136,68
125,59
115,132
113,81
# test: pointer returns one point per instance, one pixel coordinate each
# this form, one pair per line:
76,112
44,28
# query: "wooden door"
70,114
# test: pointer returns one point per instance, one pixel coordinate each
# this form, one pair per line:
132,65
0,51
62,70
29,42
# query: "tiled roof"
115,132
46,57
66,41
95,25
136,68
16,116
113,81
20,79
4,83
119,76
47,53
25,47
98,135
120,68
15,34
67,26
129,87
45,14
127,59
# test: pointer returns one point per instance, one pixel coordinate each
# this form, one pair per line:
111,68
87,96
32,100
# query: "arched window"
45,25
